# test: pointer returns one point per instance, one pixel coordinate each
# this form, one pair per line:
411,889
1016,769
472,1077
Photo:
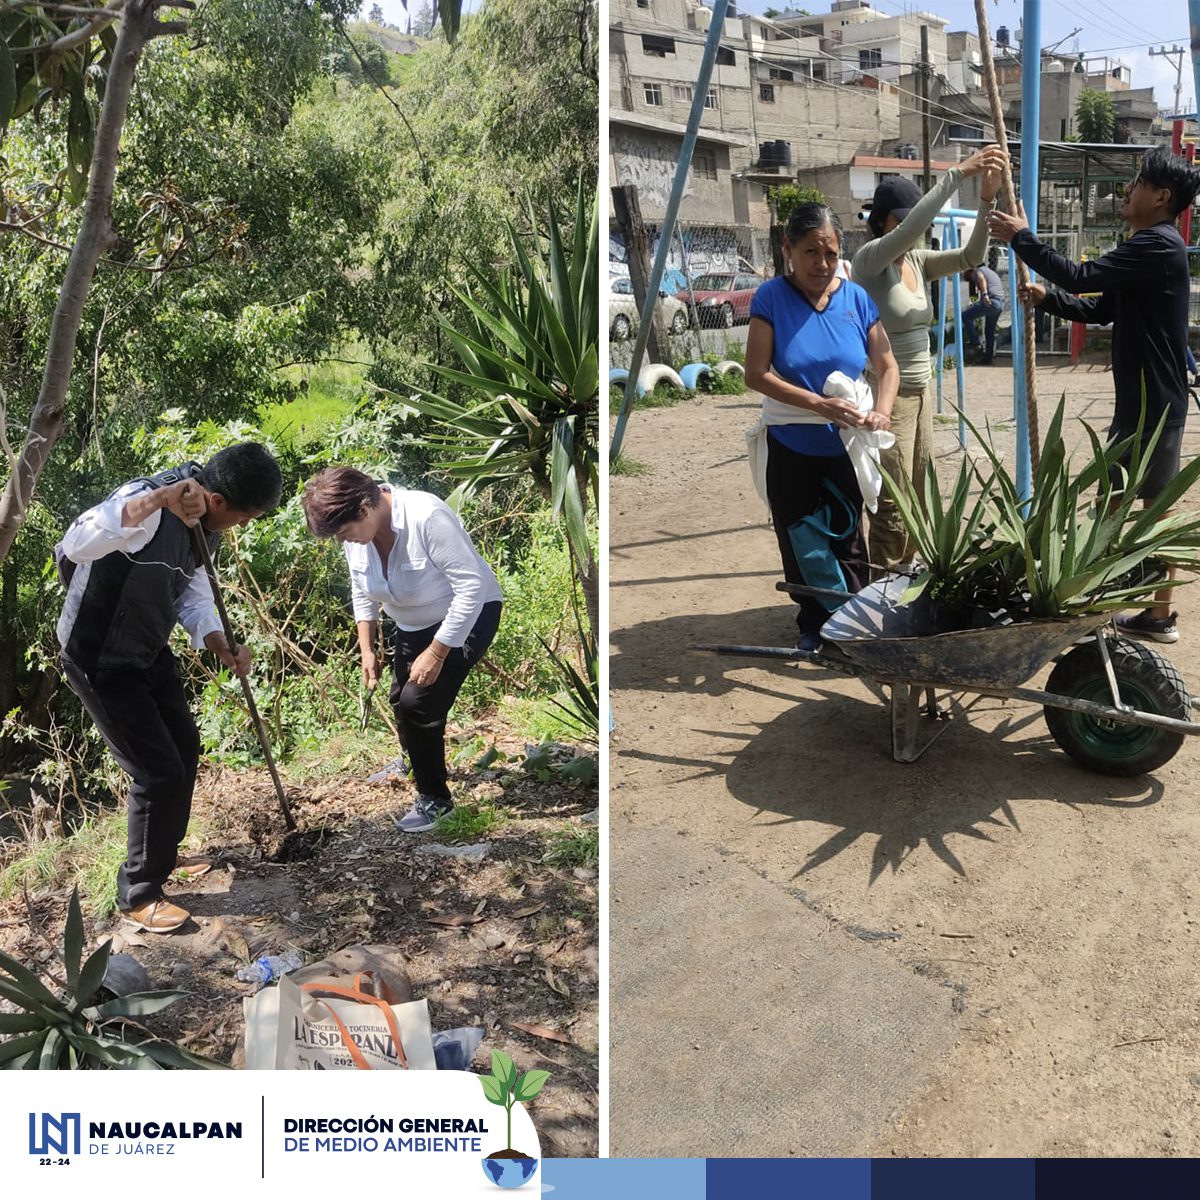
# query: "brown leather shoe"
157,916
188,869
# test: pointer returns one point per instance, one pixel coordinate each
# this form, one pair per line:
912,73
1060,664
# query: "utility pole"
1175,53
925,104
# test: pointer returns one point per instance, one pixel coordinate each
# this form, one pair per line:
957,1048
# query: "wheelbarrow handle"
206,558
803,589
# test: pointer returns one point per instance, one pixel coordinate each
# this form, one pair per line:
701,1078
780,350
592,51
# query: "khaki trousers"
912,422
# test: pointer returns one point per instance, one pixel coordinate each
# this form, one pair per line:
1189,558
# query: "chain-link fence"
708,283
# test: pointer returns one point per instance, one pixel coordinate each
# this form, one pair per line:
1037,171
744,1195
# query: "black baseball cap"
896,195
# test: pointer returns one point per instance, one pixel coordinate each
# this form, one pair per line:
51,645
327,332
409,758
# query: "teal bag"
812,539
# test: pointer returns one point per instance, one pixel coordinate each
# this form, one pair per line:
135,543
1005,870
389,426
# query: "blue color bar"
807,1178
626,1178
952,1179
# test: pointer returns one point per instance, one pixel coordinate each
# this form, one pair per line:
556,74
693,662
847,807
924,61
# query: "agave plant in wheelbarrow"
1080,544
72,1025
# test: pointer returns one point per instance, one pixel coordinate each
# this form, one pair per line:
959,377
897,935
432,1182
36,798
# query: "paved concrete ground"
748,1023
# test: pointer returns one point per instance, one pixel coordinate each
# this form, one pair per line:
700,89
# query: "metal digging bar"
210,570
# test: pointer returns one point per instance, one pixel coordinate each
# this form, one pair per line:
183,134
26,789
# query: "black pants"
794,489
143,716
421,711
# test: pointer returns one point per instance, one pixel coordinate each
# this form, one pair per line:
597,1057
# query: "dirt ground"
1061,908
510,943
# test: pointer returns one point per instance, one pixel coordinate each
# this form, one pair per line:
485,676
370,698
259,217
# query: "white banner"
220,1135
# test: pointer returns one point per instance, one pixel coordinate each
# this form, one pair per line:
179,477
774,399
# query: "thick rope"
1009,197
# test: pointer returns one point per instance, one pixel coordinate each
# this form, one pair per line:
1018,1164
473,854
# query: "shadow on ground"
826,759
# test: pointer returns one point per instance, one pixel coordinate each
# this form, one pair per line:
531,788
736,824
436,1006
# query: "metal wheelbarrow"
1113,704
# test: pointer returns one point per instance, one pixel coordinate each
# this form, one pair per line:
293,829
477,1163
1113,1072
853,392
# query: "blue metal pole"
1194,20
952,230
711,45
1031,112
941,350
939,370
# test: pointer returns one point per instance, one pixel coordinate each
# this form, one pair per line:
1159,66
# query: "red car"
722,297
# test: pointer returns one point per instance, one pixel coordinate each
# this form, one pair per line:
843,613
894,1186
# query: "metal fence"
693,251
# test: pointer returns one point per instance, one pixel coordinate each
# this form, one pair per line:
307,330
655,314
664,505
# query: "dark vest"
125,604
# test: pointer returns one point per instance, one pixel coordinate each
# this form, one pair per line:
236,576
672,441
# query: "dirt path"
521,958
1062,908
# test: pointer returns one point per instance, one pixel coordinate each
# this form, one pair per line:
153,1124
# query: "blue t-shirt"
810,346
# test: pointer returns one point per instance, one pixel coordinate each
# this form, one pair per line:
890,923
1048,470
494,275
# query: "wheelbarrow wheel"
1146,680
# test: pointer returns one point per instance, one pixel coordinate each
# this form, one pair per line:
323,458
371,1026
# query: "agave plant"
581,707
528,343
1079,543
78,1029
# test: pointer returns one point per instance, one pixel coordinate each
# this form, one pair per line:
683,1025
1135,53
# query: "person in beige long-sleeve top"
895,268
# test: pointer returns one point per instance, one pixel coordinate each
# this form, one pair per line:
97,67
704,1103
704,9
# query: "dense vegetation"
301,215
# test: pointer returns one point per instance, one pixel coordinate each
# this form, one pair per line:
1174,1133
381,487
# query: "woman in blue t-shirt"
804,327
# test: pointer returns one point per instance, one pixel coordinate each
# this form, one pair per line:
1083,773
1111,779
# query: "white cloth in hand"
862,445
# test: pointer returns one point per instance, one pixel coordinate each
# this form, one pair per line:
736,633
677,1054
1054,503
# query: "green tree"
1095,117
529,345
280,35
787,196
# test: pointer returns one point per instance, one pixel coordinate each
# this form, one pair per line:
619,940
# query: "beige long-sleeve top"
906,313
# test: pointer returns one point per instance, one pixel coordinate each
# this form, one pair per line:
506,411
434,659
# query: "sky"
395,13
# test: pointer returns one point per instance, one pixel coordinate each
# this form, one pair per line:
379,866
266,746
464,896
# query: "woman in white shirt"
409,554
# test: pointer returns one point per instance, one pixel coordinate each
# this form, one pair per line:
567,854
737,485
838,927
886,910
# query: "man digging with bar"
1144,288
132,570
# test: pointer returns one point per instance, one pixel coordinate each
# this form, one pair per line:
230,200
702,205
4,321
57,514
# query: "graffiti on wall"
708,248
650,168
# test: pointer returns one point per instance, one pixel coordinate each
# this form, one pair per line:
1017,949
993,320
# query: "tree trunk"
94,238
8,645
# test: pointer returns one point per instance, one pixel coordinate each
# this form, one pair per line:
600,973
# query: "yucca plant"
1080,543
581,707
528,342
77,1029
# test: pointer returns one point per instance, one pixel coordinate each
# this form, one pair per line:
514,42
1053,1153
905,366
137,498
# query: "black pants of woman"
421,711
794,491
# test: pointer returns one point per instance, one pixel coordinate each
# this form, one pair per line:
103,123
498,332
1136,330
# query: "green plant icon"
504,1088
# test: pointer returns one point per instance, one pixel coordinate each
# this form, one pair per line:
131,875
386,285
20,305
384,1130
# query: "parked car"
623,312
722,297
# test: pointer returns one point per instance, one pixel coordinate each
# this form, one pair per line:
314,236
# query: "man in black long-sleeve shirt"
1143,288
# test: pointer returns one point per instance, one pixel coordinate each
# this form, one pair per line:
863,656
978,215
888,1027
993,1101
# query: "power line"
1138,30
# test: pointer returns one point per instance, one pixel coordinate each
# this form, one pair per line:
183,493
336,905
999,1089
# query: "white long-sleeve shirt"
99,531
433,576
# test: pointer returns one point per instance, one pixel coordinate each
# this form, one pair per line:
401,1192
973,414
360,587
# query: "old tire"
726,316
1146,680
620,328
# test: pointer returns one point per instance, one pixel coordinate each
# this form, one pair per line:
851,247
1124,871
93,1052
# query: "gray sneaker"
1149,629
396,769
422,816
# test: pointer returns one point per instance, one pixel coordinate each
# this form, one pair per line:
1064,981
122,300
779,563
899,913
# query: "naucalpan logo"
59,1135
62,1134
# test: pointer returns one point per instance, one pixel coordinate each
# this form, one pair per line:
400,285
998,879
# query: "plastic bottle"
270,966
